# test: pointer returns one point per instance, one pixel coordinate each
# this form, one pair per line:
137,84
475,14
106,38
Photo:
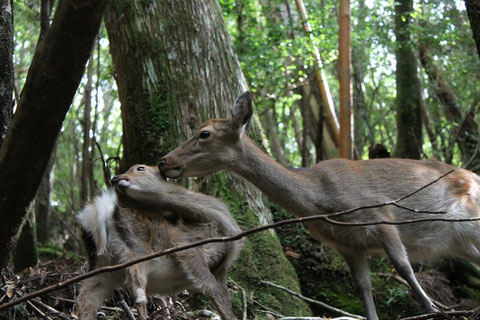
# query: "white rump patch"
95,217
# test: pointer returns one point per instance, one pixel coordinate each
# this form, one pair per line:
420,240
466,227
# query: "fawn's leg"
194,264
93,292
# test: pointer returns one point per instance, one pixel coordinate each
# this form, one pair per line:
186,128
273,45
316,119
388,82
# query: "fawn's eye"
141,169
204,134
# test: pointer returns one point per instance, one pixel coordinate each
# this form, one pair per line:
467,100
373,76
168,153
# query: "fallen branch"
326,218
127,310
50,309
244,299
440,315
313,301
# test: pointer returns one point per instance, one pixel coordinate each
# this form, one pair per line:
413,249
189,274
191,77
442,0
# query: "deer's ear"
242,112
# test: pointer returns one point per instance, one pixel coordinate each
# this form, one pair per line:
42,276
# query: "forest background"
415,78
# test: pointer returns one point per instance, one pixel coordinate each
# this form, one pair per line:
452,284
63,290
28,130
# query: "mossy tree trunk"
6,65
409,112
473,9
57,68
175,67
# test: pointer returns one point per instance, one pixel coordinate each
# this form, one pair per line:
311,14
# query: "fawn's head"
139,178
214,145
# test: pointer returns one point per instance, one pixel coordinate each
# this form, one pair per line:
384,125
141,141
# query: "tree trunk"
25,253
52,80
473,10
466,130
409,112
42,202
175,67
6,65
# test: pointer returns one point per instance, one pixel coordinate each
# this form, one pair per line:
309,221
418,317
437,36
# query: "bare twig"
404,282
265,309
313,301
38,311
50,309
127,310
239,236
244,299
112,309
439,315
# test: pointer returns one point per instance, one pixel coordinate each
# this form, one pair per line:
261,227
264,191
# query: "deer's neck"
293,190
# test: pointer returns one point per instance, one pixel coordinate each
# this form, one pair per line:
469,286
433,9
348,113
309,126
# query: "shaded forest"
89,88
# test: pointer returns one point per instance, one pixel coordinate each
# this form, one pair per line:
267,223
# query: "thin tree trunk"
409,112
175,67
466,130
6,66
42,202
52,80
473,10
427,121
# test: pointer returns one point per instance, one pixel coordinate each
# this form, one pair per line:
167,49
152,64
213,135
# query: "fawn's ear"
242,112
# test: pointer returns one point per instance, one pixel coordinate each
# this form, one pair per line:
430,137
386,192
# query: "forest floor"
60,304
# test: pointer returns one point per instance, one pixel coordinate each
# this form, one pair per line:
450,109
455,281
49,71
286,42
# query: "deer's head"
214,145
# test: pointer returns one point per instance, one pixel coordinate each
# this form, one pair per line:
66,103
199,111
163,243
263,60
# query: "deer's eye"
204,134
141,169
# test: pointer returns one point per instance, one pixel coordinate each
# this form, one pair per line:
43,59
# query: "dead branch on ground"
313,301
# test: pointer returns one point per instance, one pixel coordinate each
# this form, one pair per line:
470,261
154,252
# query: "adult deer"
335,185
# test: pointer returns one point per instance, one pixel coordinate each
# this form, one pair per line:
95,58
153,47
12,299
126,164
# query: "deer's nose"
114,180
161,163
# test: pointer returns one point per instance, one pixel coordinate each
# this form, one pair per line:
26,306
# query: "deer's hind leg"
193,262
357,262
389,238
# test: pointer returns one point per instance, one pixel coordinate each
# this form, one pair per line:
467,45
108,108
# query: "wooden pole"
346,147
320,78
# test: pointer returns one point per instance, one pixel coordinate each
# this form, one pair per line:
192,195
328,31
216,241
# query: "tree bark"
473,10
25,253
6,66
42,202
175,67
409,112
52,80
